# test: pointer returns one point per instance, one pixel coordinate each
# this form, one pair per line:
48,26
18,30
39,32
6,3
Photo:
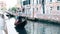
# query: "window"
33,9
37,1
50,8
26,2
33,1
40,1
50,0
37,9
58,7
23,10
58,0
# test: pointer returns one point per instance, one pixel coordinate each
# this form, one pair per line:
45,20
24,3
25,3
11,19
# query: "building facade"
52,7
2,6
33,7
43,9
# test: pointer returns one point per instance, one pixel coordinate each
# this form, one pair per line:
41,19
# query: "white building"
33,7
47,9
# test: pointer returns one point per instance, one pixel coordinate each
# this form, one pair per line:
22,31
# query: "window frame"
58,7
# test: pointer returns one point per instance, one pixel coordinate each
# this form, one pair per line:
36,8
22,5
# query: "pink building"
2,5
52,7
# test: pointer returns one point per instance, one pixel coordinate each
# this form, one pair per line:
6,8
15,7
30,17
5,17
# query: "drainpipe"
43,6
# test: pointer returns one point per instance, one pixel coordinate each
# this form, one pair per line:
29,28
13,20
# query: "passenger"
3,26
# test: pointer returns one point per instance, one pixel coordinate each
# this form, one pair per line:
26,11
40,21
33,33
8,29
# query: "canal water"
34,27
41,28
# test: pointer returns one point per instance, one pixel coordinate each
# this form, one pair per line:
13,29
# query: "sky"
10,3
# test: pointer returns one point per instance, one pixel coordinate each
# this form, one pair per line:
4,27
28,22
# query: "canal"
35,27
